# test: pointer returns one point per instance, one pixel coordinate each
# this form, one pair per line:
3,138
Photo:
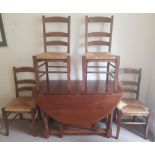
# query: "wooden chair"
110,59
21,104
49,56
131,106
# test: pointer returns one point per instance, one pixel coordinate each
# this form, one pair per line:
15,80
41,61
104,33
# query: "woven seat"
100,56
24,104
132,107
52,55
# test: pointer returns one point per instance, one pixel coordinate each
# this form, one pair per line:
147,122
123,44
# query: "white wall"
133,40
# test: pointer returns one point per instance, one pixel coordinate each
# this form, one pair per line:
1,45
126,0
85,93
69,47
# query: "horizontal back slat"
25,88
131,83
56,34
99,19
23,69
98,34
26,81
129,71
56,19
129,90
56,43
96,43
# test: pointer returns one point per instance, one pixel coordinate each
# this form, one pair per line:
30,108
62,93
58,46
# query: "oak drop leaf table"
75,111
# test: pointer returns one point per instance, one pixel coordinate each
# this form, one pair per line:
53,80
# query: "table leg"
109,125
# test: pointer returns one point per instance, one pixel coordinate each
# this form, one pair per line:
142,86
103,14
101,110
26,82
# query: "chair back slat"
28,81
56,19
130,83
25,88
129,71
24,83
101,43
129,90
56,34
99,19
130,86
56,43
23,69
98,34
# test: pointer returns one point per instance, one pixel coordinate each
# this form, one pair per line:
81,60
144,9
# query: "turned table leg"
109,125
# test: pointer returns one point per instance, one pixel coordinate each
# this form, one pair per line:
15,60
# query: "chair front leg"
21,116
39,113
147,125
119,119
84,73
33,122
68,74
5,119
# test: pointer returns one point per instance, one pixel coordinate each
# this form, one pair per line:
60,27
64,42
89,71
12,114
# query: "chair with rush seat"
22,104
48,56
111,61
131,106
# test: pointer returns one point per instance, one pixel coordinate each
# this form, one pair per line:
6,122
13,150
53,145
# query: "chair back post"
69,29
86,34
15,80
44,33
36,71
117,62
111,30
138,84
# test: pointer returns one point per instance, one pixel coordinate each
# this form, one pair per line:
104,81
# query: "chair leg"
147,125
47,77
107,76
61,129
33,122
68,74
115,115
6,123
134,118
40,114
119,119
84,73
21,116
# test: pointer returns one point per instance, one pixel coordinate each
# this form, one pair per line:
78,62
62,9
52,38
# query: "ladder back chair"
23,103
49,56
111,60
131,106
